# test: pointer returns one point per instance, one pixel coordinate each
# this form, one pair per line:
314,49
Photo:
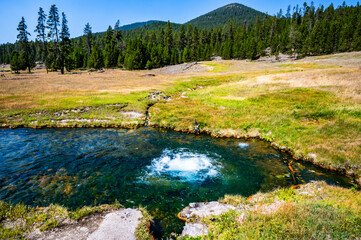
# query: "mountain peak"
220,16
233,5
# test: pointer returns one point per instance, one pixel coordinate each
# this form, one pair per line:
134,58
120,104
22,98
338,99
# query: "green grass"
48,106
142,231
306,120
218,67
308,65
69,100
316,211
24,218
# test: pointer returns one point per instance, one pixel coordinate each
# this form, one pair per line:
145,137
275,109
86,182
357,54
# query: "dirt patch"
193,67
280,58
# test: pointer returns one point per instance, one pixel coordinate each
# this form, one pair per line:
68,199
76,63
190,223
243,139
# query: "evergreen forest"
299,31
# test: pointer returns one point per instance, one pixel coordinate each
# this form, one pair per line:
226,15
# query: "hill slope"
222,15
155,26
137,25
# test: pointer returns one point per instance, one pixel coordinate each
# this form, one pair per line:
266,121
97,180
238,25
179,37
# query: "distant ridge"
137,25
215,18
220,16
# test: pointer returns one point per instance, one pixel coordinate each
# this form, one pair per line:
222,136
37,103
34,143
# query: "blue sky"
101,14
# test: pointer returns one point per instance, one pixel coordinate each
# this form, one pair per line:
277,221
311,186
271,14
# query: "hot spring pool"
161,170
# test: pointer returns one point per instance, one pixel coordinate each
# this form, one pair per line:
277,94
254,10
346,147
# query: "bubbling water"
183,165
243,145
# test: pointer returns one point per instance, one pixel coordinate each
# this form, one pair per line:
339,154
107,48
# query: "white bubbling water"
243,145
184,166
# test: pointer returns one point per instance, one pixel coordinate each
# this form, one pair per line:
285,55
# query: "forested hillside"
137,25
219,17
301,31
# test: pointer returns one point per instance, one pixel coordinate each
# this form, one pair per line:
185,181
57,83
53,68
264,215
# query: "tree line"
301,31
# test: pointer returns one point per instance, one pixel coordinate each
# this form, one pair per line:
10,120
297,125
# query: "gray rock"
201,210
118,225
83,229
132,115
195,230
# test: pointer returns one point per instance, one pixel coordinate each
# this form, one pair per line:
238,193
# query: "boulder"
118,225
202,210
194,230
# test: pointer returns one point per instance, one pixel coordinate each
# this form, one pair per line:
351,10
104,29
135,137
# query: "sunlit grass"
308,65
306,120
316,211
24,219
219,67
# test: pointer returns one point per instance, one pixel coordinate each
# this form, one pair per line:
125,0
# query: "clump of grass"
143,230
316,211
234,200
86,211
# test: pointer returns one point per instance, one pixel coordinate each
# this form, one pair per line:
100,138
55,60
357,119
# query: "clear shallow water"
162,170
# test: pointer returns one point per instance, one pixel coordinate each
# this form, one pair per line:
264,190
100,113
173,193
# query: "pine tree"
23,40
41,36
110,51
356,45
168,36
53,24
16,62
118,34
96,58
195,44
187,55
155,55
135,55
227,50
65,46
181,38
189,33
88,39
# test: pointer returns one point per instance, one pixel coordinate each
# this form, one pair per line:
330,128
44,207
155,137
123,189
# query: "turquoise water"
161,170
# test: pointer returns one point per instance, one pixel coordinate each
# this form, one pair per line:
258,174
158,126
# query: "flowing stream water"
161,170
